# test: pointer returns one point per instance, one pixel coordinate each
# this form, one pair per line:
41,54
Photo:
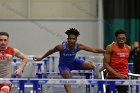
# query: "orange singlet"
5,68
119,60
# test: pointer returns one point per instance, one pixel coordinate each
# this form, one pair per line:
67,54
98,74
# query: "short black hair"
72,31
120,31
4,33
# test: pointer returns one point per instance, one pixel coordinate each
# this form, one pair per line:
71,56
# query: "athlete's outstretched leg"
66,75
88,65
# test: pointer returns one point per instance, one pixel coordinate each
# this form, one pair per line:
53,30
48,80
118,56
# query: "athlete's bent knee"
5,89
66,74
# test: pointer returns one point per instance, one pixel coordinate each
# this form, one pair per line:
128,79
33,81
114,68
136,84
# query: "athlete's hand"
18,71
94,65
16,74
37,58
121,76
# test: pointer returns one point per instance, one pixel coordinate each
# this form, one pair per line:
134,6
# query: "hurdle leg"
137,88
21,86
35,86
131,89
46,70
112,87
87,86
100,88
102,75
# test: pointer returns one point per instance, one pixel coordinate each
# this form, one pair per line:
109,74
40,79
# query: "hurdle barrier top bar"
132,74
73,81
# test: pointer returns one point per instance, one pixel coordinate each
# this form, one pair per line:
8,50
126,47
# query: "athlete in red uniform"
116,60
6,55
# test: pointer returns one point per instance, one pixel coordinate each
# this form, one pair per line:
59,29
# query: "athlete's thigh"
88,65
64,71
77,64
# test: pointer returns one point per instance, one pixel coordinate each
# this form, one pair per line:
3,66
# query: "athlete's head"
72,31
4,36
120,36
72,36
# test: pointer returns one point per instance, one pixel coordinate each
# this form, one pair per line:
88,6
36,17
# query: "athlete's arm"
106,61
49,52
86,48
24,60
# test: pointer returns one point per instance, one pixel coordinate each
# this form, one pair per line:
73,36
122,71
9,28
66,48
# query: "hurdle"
46,72
130,85
98,82
41,75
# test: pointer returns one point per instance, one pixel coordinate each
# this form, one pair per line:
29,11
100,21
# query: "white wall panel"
48,9
36,37
64,9
13,9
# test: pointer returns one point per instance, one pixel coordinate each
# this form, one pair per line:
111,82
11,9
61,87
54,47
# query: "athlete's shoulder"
16,50
129,47
110,47
80,46
10,49
58,47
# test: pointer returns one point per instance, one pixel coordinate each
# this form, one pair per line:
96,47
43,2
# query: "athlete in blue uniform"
68,60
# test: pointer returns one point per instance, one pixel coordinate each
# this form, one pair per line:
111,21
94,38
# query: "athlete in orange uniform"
6,55
116,60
